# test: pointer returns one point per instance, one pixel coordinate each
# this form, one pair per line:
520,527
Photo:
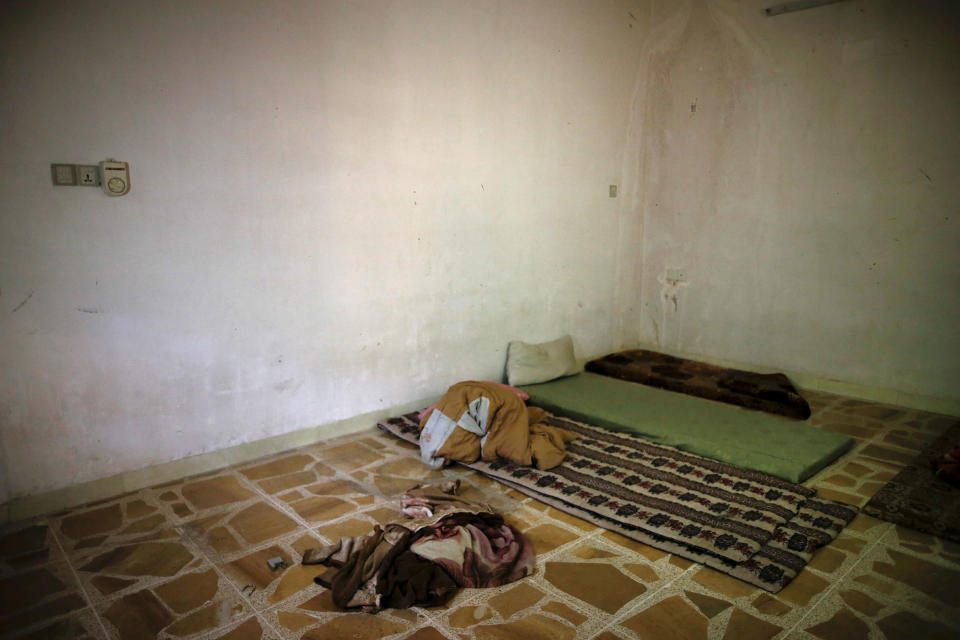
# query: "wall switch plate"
613,191
64,175
115,177
88,175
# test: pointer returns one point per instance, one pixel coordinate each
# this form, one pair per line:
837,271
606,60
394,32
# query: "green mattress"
782,447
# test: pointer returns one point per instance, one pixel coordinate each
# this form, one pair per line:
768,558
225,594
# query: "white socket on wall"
115,177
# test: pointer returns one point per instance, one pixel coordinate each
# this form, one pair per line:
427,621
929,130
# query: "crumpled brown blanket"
377,571
453,543
475,549
483,419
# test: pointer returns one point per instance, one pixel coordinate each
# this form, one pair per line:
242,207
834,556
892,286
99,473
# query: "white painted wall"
802,173
343,206
336,207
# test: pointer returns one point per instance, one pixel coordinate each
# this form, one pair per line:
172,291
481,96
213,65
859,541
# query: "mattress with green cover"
781,447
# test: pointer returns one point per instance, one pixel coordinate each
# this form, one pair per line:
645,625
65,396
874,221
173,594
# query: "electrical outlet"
64,175
613,191
88,175
675,275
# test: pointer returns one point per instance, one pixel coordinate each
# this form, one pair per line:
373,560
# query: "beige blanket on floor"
484,420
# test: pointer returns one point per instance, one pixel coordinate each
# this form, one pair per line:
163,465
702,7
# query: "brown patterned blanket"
917,499
750,525
769,392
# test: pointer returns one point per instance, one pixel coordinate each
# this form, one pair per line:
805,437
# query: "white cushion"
533,363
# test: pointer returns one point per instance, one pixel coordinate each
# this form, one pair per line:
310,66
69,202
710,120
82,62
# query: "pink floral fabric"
476,550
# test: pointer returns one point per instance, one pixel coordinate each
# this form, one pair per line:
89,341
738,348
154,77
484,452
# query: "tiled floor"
188,559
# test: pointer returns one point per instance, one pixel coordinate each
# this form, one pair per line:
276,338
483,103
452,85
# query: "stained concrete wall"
335,207
800,190
339,207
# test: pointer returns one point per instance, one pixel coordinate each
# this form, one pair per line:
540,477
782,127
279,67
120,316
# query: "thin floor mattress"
778,446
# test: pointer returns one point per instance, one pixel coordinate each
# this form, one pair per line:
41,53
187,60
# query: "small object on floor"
248,586
276,563
947,466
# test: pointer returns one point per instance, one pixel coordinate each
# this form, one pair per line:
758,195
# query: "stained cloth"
451,543
476,550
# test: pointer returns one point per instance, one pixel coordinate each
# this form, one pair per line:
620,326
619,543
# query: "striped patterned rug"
750,525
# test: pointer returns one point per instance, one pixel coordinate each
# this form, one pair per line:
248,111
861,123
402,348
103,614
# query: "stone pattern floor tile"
885,438
196,602
27,545
188,559
81,625
37,596
670,618
89,530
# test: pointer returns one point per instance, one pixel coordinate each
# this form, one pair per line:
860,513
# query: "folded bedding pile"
768,392
477,419
753,526
784,448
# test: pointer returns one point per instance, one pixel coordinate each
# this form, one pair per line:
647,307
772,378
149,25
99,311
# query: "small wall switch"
64,175
613,191
88,175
